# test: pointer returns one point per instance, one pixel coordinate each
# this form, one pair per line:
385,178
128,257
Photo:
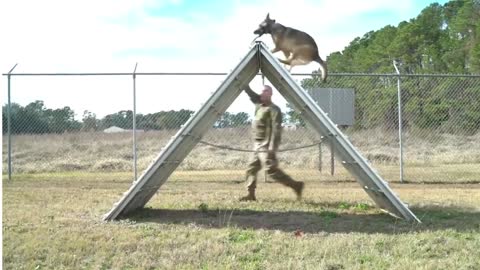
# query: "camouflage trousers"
268,160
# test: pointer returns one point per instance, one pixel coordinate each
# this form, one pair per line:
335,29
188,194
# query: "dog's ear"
268,18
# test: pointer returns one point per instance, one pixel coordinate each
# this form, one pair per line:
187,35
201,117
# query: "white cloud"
112,35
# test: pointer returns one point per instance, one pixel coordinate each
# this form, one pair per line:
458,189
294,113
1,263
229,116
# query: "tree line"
441,40
35,118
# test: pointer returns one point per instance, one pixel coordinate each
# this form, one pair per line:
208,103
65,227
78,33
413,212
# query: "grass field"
101,152
53,221
63,184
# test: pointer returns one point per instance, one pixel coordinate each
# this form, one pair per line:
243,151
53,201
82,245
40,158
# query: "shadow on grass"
433,218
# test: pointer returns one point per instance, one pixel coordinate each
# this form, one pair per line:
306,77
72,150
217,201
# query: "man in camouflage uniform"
267,132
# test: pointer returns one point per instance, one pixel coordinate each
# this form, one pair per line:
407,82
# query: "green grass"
53,221
452,174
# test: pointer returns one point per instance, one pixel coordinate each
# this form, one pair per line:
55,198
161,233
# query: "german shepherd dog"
298,47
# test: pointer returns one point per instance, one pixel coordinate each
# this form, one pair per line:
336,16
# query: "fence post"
332,156
134,127
9,126
332,146
400,124
320,157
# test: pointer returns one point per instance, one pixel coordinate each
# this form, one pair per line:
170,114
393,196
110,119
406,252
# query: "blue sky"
162,36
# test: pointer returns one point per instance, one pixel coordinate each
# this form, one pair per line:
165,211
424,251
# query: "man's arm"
254,97
276,138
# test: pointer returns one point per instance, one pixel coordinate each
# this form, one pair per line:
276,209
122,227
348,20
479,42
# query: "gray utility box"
338,103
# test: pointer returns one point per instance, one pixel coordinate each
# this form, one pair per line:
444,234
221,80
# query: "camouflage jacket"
267,124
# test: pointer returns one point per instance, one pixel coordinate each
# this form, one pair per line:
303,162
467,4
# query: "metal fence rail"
432,136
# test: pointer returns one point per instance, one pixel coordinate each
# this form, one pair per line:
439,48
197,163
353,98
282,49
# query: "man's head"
266,95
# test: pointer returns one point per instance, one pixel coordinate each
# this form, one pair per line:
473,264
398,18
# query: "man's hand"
254,97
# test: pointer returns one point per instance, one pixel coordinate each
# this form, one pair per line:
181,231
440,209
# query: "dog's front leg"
287,56
274,50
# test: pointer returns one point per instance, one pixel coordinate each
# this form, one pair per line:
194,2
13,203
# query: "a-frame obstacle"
258,58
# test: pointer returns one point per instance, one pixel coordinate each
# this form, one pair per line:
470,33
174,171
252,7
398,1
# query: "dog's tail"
323,68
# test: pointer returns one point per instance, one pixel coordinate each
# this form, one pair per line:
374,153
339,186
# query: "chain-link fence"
440,126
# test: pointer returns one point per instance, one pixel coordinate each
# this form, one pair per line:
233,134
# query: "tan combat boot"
250,196
298,188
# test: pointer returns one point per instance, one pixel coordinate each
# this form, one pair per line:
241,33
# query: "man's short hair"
268,88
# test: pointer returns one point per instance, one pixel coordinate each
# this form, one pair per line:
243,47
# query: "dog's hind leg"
288,60
291,62
286,63
295,62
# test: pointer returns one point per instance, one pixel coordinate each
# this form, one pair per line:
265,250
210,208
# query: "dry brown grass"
428,155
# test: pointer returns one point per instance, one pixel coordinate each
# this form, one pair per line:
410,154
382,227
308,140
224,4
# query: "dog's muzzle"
259,32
